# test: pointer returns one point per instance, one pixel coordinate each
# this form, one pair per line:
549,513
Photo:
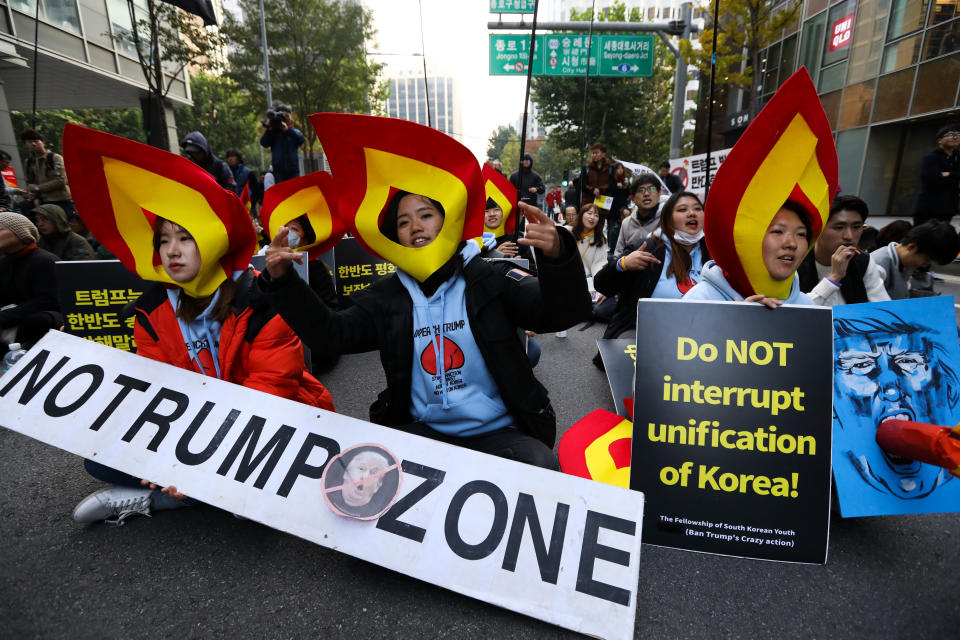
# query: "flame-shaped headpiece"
500,190
787,153
372,158
121,187
314,196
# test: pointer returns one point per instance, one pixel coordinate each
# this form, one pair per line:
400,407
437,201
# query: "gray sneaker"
113,505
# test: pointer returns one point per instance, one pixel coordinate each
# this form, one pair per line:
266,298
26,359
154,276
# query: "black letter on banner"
249,463
33,368
549,562
300,466
388,521
127,385
489,544
183,447
592,550
50,406
162,421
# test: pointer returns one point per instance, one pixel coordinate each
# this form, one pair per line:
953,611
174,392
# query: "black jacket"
28,281
631,286
851,287
499,299
523,180
216,167
939,196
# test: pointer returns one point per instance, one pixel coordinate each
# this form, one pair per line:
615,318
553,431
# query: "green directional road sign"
510,53
565,54
625,56
512,6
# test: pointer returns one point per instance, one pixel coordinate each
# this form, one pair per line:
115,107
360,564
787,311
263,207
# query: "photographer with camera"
283,139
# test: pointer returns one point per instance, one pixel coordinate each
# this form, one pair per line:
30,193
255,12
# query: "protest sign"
692,170
731,438
619,361
893,360
541,543
92,296
356,268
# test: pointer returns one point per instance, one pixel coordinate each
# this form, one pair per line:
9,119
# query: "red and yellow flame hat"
787,153
500,190
598,447
372,158
121,187
312,195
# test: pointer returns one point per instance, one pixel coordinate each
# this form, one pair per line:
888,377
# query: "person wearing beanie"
56,236
28,283
528,182
939,198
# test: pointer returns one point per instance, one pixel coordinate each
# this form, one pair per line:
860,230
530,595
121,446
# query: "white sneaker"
561,334
113,505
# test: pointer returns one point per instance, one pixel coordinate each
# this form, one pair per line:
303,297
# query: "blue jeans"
158,499
508,443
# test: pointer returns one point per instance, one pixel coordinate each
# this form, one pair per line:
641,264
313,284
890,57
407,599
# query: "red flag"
120,187
597,447
314,196
371,158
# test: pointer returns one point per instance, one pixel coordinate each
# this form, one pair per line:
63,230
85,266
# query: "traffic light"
566,178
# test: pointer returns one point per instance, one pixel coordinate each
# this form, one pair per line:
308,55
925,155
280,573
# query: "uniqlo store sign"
842,33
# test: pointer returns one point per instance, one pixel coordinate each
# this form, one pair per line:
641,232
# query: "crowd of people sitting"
494,403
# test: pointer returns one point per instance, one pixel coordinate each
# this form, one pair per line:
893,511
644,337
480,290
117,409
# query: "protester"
667,265
242,176
930,242
7,192
670,180
638,227
892,232
836,271
940,179
232,334
554,199
488,398
785,243
57,237
570,216
620,193
45,173
591,241
29,305
283,140
78,226
196,147
528,182
492,221
571,197
599,174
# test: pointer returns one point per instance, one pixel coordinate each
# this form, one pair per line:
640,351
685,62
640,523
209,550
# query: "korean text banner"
893,360
541,543
731,433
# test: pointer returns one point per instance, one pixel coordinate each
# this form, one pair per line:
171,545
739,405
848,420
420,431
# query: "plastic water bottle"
12,356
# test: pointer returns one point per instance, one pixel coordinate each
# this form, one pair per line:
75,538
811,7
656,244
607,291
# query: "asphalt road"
200,573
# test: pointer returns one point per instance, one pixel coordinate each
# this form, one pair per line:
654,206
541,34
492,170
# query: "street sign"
512,6
510,53
565,54
626,56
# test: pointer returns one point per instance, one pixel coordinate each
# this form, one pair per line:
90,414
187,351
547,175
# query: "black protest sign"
92,295
355,268
732,445
619,361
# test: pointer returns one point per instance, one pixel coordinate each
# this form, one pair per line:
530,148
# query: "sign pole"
526,107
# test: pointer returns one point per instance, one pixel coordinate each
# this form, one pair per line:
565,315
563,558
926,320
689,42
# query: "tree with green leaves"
181,40
223,114
317,58
553,159
746,28
498,140
631,115
126,123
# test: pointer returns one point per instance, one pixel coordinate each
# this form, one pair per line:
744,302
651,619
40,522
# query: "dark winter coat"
939,195
216,167
499,299
64,243
526,178
284,145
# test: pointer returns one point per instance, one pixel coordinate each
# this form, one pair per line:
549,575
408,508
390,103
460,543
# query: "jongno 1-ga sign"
548,545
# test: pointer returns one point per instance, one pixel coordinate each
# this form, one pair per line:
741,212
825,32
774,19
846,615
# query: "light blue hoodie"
713,286
467,402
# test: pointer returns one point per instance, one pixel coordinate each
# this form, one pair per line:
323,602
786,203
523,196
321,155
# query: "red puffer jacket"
257,348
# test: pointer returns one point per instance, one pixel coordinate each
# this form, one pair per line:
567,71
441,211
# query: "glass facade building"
888,75
408,101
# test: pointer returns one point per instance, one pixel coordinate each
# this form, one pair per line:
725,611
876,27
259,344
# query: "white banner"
692,170
545,544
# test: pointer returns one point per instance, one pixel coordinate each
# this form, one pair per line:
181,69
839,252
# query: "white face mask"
293,239
688,239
